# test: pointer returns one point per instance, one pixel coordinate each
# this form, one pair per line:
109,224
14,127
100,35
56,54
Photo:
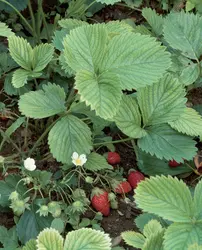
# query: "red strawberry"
113,158
174,164
100,201
123,188
134,178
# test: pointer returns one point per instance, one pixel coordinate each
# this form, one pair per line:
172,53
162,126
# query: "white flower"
78,160
29,164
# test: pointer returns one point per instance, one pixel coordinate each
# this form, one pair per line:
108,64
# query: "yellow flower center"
78,162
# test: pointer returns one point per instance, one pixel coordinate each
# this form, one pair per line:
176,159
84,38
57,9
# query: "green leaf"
86,238
151,165
103,92
43,177
198,201
164,142
42,55
21,51
49,238
85,46
19,5
118,27
133,239
142,219
58,224
152,227
182,235
131,56
9,238
30,245
69,135
57,41
6,63
5,30
8,186
31,224
198,108
155,241
187,37
155,21
189,74
20,77
43,103
128,118
162,102
195,247
15,125
96,162
77,9
167,197
70,23
190,123
108,2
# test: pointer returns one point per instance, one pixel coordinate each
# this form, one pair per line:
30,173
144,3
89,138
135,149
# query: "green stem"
89,6
126,6
113,142
40,8
22,17
32,15
7,138
26,132
42,137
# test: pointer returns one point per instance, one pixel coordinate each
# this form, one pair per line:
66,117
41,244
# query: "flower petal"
75,156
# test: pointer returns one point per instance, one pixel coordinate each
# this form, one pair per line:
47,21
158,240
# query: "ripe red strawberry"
123,188
100,201
134,178
174,164
113,158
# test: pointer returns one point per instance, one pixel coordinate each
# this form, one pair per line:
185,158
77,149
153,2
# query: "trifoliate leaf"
43,103
20,77
128,118
21,51
65,66
189,74
155,241
103,92
5,31
42,55
69,135
49,238
96,162
182,235
155,21
118,27
151,165
190,123
167,197
162,102
183,31
133,239
86,238
85,46
139,55
164,142
152,227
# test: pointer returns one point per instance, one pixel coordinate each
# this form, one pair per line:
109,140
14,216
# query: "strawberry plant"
171,199
72,88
